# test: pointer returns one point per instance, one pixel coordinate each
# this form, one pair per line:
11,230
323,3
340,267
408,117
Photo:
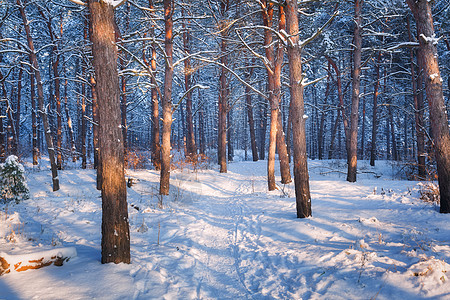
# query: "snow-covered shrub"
12,181
429,192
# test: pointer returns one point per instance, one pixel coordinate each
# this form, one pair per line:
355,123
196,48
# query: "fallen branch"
19,263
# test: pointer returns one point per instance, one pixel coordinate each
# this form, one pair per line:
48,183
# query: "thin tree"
40,89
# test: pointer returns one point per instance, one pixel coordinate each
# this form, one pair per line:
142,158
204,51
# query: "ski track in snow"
223,236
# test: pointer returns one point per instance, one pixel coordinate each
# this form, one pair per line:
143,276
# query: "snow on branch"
430,39
302,44
78,2
401,45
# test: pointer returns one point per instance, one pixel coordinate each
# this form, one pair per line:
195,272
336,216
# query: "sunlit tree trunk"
281,140
167,100
301,176
115,228
421,10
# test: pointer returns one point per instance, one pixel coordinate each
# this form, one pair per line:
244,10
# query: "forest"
262,100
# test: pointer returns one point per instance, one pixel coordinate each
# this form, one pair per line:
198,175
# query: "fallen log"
23,262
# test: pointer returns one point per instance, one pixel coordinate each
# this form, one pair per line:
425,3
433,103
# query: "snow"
224,236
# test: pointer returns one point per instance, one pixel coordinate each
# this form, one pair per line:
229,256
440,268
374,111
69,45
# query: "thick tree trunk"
421,10
167,100
115,228
352,150
301,176
40,88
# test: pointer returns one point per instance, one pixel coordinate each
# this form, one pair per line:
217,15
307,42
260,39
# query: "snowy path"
223,236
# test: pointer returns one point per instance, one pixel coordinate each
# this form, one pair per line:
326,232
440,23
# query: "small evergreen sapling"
12,181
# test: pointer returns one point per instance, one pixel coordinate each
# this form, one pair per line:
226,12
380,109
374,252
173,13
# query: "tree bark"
40,88
167,100
301,176
273,103
418,110
373,150
251,122
223,97
190,136
352,150
18,108
33,120
115,227
421,10
281,140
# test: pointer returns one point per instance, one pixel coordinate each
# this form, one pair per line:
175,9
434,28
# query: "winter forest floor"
224,236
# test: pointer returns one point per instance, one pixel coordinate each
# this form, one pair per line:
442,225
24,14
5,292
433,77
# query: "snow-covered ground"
224,236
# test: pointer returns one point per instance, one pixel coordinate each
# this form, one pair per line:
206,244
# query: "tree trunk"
3,137
230,152
83,123
223,98
417,83
115,228
251,122
40,88
190,136
262,131
363,127
33,120
421,10
352,141
18,108
281,140
167,100
301,176
373,149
